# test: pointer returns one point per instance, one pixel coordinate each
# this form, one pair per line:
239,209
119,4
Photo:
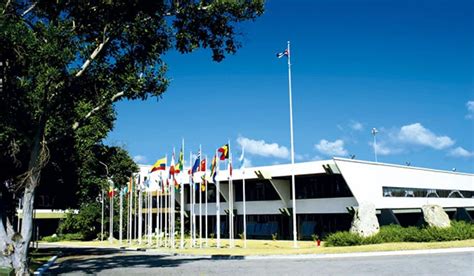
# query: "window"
417,192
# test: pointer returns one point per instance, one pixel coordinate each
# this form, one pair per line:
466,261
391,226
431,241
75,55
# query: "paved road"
114,262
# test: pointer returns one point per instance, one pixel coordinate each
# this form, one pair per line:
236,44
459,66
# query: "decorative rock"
365,221
435,216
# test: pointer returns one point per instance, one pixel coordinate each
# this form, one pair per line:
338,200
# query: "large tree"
64,64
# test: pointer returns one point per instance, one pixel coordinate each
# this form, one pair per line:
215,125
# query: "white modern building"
325,192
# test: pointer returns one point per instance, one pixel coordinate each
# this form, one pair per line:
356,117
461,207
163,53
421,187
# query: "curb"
326,256
364,254
46,266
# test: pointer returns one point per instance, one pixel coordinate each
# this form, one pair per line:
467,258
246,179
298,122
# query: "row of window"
417,192
307,186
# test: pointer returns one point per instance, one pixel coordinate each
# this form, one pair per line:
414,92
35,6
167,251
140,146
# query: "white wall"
365,179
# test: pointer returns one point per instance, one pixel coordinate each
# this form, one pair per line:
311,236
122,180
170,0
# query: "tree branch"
92,57
29,9
6,7
98,108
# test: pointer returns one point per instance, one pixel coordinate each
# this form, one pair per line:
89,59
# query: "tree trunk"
20,242
20,255
16,245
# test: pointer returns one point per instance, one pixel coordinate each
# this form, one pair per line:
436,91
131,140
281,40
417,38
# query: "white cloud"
460,152
383,149
419,135
356,125
261,148
316,158
247,163
331,148
140,159
470,110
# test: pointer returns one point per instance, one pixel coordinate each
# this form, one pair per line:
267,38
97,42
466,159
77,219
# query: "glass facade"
417,192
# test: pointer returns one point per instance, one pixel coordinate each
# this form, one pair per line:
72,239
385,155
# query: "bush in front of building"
64,237
85,224
459,230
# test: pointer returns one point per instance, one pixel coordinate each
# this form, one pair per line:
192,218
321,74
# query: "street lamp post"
102,216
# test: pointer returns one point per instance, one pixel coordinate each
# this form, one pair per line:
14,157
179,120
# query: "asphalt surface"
87,261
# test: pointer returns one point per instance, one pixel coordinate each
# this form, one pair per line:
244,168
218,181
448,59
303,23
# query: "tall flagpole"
166,215
121,216
191,198
231,200
111,226
129,209
128,214
160,210
150,216
243,198
218,206
173,201
205,195
140,204
136,211
145,211
295,231
200,202
157,229
181,186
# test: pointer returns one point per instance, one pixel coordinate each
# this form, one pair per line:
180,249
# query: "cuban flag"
284,53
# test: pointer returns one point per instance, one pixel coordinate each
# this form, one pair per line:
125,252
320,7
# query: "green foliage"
459,230
86,222
64,237
315,237
64,64
274,236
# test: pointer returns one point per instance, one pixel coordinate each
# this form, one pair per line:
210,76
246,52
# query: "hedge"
459,230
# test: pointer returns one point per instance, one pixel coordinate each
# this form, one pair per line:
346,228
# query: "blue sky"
403,67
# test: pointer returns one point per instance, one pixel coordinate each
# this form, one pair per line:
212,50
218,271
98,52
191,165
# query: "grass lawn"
269,247
38,257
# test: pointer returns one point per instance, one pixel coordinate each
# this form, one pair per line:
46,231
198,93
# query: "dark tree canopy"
63,65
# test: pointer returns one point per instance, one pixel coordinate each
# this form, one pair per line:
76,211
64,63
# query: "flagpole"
144,214
160,210
231,200
205,195
218,204
136,211
150,215
181,186
111,225
130,209
200,202
166,215
121,216
157,229
128,213
295,231
191,199
173,201
140,203
102,214
243,199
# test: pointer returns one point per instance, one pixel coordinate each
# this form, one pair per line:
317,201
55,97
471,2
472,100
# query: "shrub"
64,237
459,230
343,238
53,238
86,222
